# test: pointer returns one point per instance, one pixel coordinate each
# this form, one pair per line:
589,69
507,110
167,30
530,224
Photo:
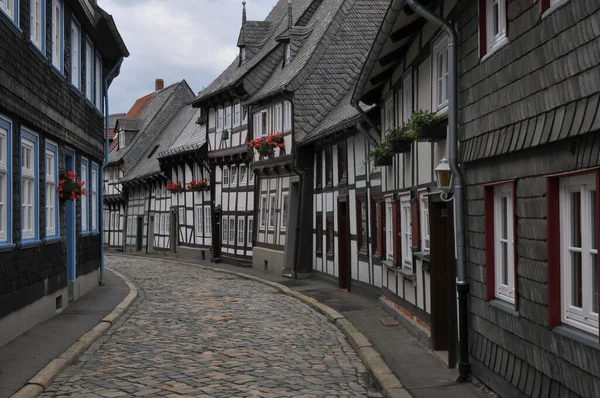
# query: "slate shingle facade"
528,111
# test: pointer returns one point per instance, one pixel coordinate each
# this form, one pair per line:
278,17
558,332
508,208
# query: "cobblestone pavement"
198,333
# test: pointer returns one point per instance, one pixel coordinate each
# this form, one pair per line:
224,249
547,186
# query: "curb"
384,377
44,378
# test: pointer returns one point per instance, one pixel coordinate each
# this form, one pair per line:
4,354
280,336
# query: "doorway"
216,235
150,243
174,232
344,273
139,233
71,224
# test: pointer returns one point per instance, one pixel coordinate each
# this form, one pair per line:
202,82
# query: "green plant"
399,133
378,151
420,119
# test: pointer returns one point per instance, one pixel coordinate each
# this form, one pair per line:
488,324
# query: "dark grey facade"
529,111
38,98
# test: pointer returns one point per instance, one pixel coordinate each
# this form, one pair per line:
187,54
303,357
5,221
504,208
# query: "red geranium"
198,185
174,187
69,187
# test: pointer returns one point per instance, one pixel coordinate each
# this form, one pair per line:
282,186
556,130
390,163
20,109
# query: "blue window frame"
51,192
75,53
85,217
93,193
37,24
98,80
90,62
5,181
57,37
10,8
30,198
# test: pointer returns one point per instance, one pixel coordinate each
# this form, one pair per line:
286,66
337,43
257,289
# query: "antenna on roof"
244,13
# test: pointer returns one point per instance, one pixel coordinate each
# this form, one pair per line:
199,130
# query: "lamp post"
444,180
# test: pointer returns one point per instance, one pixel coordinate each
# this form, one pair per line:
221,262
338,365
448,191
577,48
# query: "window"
285,198
84,202
389,230
361,223
424,205
265,124
278,118
236,113
219,118
389,113
257,126
263,211
241,232
98,80
199,218
76,56
231,230
250,231
272,209
130,225
549,4
207,222
37,24
329,233
228,116
287,113
440,74
51,196
5,180
406,231
319,232
156,223
579,251
407,97
243,173
11,8
328,167
225,225
319,170
499,214
250,176
89,70
243,54
342,162
492,26
233,180
57,34
287,52
225,176
29,186
375,225
245,119
94,196
167,224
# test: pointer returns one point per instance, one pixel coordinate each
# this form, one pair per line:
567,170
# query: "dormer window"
287,52
243,54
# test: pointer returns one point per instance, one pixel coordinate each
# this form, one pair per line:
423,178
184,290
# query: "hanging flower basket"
198,186
174,187
69,187
265,147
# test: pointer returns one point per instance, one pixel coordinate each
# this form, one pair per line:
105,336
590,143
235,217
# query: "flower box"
401,146
435,132
174,187
198,186
384,161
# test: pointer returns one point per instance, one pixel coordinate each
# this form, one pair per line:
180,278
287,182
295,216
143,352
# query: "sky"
174,40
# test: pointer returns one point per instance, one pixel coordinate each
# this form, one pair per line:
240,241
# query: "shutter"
415,225
396,231
381,231
482,28
553,251
488,199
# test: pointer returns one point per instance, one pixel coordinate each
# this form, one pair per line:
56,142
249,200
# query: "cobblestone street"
198,333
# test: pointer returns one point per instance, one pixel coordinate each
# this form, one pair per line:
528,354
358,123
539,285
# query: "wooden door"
343,244
438,218
139,233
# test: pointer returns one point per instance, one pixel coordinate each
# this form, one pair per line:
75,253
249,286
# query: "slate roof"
112,120
182,125
129,124
191,138
139,106
235,72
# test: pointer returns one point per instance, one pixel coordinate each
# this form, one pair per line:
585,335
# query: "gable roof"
192,137
139,105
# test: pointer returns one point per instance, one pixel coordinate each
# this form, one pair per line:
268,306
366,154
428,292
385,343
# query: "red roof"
139,106
113,144
111,134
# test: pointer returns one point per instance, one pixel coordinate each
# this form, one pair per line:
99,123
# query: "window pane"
594,220
495,12
576,219
595,283
504,263
576,281
504,218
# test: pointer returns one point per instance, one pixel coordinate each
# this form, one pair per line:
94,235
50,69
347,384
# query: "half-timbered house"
409,223
58,57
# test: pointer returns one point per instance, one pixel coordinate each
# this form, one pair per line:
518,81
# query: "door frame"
344,256
69,158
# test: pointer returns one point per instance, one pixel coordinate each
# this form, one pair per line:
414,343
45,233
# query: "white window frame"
264,210
29,197
93,188
37,34
207,222
425,226
57,36
249,226
440,45
250,176
5,181
244,114
257,125
243,174
11,9
495,41
233,177
278,119
83,200
227,122
241,231
407,96
504,291
98,80
272,209
51,197
232,230
406,231
265,115
287,115
582,318
389,229
224,229
199,220
168,224
237,109
89,70
225,176
285,196
76,56
219,118
156,224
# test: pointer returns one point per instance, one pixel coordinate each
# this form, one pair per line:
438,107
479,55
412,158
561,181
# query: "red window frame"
490,244
482,16
553,240
415,226
544,5
362,238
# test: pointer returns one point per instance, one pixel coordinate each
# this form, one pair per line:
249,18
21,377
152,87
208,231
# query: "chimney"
290,18
159,84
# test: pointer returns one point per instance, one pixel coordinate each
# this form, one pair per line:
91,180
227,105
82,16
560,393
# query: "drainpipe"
112,71
462,283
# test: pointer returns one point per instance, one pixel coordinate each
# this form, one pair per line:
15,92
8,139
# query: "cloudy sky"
175,40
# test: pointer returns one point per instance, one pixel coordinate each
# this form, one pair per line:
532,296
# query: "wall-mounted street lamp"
444,179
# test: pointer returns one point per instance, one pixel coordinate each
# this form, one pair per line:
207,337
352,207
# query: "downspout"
302,176
462,283
106,125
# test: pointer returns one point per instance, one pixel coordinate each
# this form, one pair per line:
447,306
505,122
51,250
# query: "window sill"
54,239
6,247
497,47
578,336
12,24
407,273
75,89
58,72
29,243
554,8
442,112
84,234
505,306
37,51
